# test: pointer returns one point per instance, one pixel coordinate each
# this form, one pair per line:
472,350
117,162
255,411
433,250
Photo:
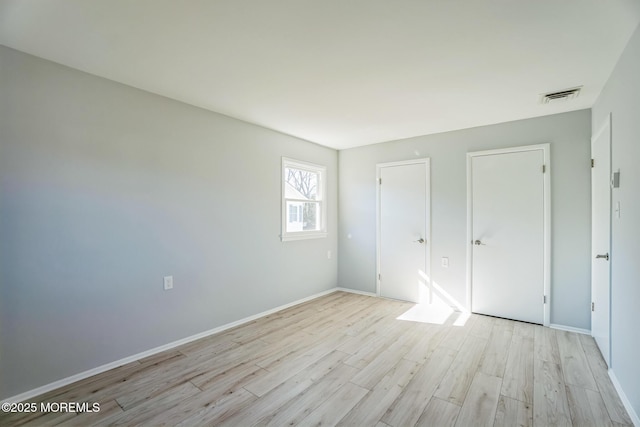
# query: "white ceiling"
341,73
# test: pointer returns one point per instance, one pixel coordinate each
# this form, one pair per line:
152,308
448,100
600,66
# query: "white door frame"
606,126
546,220
427,220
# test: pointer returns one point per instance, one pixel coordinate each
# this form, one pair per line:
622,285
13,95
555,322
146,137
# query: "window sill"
303,236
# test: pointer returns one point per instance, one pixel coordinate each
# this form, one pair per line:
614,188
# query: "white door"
403,209
508,234
600,237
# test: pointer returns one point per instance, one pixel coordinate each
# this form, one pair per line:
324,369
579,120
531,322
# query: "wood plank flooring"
345,359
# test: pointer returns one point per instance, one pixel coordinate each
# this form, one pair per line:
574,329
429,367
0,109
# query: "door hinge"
593,162
593,306
544,168
544,299
378,277
380,181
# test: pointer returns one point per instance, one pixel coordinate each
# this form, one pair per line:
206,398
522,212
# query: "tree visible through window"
303,200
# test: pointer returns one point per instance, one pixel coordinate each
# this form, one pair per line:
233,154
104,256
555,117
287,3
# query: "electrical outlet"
168,282
445,262
328,254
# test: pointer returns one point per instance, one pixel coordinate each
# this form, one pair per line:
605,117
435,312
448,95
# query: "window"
303,200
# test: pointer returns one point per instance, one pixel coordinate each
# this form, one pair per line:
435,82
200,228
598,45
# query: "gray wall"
621,98
105,189
569,136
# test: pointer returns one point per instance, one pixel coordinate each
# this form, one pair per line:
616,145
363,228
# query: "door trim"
427,220
546,219
606,125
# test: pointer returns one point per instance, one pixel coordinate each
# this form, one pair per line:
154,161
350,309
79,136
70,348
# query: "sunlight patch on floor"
462,318
435,305
436,312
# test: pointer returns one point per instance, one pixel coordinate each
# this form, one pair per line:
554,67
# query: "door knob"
605,256
420,240
478,243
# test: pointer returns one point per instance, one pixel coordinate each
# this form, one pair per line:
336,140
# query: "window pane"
293,213
311,216
294,216
300,184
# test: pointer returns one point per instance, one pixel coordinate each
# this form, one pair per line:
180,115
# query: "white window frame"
322,200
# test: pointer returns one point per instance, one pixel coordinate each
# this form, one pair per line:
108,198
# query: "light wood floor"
345,359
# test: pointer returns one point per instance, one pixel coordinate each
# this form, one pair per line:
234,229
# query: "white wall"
569,136
105,189
621,98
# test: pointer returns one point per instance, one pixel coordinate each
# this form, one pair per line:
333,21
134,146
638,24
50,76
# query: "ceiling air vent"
563,95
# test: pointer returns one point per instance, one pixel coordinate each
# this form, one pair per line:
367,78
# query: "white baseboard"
354,291
570,329
103,368
625,401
